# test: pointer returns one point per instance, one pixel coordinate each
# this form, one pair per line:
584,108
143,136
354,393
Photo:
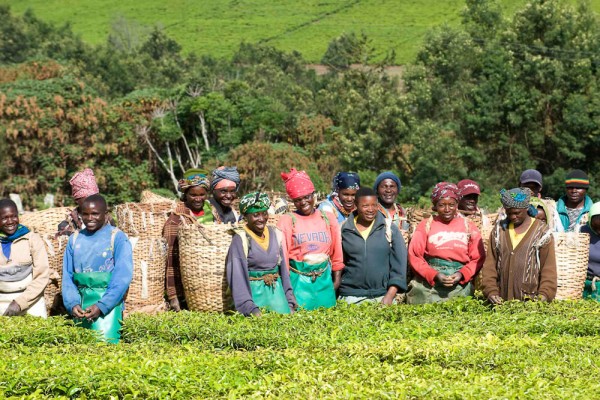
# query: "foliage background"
485,98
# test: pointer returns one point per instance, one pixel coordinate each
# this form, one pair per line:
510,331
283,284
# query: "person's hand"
541,297
388,299
337,279
256,312
444,279
456,277
92,313
78,312
12,310
495,299
174,304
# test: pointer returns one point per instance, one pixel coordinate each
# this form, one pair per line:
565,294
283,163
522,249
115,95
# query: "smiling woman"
24,269
445,252
313,245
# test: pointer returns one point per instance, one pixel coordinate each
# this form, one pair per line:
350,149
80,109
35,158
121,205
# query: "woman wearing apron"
97,271
24,269
445,252
313,244
256,273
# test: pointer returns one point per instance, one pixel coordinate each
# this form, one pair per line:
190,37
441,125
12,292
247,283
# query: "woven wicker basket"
147,288
148,197
55,247
572,253
45,221
202,253
144,220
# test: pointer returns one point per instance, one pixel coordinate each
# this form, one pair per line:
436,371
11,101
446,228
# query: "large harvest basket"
148,197
202,253
45,221
55,247
144,220
146,292
572,253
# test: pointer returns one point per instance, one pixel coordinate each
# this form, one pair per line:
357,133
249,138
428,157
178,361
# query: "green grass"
216,27
457,350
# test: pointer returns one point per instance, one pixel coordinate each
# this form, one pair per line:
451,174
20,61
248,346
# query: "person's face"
346,197
225,196
9,220
387,192
576,195
517,215
469,202
305,204
595,223
94,215
257,221
534,187
195,198
366,208
446,209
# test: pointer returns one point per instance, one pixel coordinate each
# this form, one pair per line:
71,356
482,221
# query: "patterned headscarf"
515,198
297,183
346,180
193,177
223,177
444,190
83,184
254,202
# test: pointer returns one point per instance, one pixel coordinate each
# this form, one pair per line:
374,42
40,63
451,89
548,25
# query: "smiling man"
572,209
374,254
97,271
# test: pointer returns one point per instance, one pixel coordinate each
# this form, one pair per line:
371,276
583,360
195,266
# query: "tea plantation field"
458,350
216,27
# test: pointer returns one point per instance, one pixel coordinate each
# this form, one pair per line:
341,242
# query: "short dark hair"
364,191
98,199
6,203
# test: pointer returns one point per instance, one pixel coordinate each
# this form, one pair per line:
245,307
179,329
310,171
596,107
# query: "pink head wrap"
83,184
297,183
444,190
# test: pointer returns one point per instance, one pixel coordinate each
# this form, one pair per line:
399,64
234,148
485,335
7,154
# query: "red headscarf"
83,184
444,190
297,183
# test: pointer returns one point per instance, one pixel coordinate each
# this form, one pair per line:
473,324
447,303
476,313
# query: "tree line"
484,100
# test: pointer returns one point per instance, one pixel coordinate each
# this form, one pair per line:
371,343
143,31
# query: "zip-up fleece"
375,264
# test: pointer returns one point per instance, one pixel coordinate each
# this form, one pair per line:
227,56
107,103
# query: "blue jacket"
375,264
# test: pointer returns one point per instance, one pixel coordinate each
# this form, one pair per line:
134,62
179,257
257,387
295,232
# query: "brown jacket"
24,250
517,273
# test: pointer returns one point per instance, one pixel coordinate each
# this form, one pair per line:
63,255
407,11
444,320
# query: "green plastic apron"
92,286
421,292
312,284
268,296
591,290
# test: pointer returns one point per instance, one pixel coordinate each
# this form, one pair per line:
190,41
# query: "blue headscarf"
387,175
345,180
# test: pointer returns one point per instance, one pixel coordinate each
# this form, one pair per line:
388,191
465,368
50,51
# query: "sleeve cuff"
398,283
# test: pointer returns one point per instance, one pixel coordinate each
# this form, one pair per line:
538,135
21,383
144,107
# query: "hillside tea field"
457,350
216,27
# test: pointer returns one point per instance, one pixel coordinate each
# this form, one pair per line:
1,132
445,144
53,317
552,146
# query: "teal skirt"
312,284
92,286
421,292
267,292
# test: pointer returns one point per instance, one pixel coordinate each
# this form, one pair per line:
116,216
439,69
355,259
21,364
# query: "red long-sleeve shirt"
450,242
